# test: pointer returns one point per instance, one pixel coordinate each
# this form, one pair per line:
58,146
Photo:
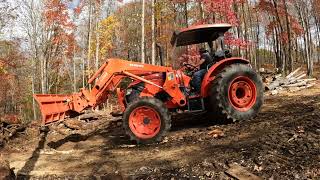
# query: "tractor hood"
199,34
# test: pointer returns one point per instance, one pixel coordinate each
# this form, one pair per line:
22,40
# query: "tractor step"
195,112
196,105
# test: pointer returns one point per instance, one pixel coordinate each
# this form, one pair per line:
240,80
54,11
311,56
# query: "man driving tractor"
205,61
230,88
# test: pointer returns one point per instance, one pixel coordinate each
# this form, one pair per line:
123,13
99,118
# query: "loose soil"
281,143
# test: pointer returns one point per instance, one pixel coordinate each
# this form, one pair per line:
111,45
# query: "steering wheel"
189,69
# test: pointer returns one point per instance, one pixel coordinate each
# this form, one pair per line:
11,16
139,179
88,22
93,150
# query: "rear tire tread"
218,109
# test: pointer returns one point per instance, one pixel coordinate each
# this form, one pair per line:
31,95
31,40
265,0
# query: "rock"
73,124
205,163
165,140
208,174
274,92
257,168
145,170
119,124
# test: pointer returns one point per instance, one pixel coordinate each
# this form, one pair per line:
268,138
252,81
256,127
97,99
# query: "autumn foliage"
58,22
277,11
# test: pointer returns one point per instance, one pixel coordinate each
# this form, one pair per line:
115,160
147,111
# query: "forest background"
53,46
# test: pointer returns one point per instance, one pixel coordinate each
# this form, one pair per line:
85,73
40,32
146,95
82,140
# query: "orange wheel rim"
144,122
242,93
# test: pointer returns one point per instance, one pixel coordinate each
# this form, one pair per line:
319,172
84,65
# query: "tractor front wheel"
236,93
146,120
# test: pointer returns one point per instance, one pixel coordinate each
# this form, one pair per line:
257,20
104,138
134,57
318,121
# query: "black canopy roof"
199,34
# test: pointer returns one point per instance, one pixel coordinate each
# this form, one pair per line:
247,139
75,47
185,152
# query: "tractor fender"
215,69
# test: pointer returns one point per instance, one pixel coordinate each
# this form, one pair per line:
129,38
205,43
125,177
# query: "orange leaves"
276,10
77,10
223,9
58,22
191,56
237,42
11,65
56,14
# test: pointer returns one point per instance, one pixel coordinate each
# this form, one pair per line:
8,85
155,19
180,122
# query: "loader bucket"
53,107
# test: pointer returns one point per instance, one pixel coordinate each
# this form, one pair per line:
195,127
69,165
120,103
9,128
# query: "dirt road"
281,143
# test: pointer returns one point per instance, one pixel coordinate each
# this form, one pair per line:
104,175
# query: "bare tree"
143,33
153,54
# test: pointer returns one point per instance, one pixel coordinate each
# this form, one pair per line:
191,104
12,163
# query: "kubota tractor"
231,89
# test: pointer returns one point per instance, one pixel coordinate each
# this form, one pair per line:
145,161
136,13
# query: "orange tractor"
230,89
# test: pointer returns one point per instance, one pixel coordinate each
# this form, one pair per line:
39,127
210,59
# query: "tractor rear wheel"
236,93
146,120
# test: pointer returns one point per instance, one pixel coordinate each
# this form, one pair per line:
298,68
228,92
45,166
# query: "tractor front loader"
231,89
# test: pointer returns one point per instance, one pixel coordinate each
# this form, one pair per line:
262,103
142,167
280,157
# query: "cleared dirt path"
281,143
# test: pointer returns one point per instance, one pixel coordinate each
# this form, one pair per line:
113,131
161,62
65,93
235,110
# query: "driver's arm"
200,62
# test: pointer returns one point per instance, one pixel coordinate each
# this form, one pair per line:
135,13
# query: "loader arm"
105,80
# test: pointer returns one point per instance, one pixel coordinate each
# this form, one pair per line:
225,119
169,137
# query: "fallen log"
8,131
275,84
299,84
307,80
216,133
238,172
293,73
295,89
301,76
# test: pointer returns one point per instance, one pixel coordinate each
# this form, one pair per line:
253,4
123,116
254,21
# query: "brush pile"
295,81
10,125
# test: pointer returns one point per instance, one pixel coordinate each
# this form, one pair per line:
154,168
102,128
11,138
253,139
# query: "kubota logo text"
136,65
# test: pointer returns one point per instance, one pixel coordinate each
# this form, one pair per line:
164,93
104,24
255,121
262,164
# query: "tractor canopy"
199,34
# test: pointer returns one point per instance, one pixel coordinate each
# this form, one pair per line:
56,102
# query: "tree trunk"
153,54
97,46
201,11
280,31
142,33
33,90
290,60
89,41
74,70
186,13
